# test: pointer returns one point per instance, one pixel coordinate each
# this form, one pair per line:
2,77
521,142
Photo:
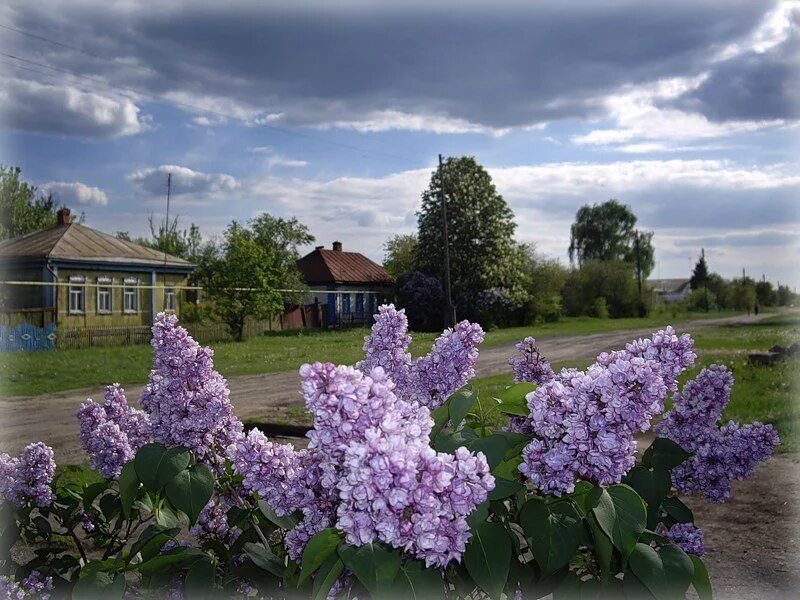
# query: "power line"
42,38
200,109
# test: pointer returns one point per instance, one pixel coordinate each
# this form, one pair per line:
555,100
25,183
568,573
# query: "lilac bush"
687,537
374,473
185,398
28,477
428,380
112,432
405,487
584,422
721,453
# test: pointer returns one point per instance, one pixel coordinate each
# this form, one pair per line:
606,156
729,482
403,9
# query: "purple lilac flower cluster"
212,523
369,469
584,422
185,398
531,367
28,477
687,537
428,380
721,454
112,432
34,585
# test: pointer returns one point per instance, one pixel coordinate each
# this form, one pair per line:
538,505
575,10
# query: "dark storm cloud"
752,86
501,65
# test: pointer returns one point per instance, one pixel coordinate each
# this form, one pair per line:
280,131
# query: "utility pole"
639,274
705,279
166,242
166,222
449,309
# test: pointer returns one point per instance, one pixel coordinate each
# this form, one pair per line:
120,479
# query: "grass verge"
32,373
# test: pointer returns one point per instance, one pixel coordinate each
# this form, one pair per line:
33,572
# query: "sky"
334,112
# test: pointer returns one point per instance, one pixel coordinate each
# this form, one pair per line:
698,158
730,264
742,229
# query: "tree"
170,238
243,276
400,253
699,280
483,255
785,296
607,232
766,294
22,209
599,286
743,293
544,282
699,274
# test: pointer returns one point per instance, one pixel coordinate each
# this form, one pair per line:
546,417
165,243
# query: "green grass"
26,374
783,329
590,325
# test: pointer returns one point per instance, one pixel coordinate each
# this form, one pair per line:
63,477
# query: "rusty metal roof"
76,242
336,266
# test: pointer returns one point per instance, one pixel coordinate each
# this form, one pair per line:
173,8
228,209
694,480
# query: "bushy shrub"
700,300
612,280
423,299
405,489
600,308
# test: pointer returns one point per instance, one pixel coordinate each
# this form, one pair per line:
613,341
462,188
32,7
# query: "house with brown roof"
82,277
350,285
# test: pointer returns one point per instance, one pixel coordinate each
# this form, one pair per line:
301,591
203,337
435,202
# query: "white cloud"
645,124
67,110
273,159
184,181
71,193
389,120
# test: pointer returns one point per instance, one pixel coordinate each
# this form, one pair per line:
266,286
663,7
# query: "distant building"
670,290
362,284
103,278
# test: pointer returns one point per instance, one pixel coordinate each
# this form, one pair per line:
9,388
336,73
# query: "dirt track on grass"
751,540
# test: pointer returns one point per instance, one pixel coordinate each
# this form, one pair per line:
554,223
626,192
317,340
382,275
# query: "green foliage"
400,253
544,280
700,273
483,253
488,556
602,288
743,293
244,274
169,237
22,209
607,232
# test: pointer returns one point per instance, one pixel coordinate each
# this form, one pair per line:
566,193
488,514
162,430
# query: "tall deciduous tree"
608,232
245,273
22,208
483,256
400,253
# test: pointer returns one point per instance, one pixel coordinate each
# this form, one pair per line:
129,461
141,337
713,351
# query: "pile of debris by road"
775,354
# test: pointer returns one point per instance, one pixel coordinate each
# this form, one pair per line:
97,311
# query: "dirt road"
751,540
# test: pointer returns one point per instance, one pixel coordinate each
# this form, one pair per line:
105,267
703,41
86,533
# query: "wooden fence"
29,337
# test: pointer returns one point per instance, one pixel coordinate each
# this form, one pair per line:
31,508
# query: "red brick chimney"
337,246
63,216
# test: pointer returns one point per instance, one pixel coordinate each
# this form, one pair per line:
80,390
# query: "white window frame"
104,289
77,291
130,289
170,299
